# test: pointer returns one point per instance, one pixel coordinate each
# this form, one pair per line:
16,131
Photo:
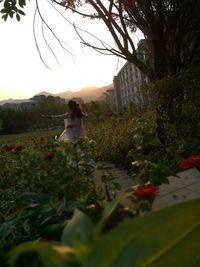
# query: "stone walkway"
182,187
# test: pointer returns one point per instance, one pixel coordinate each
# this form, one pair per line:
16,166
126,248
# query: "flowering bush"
190,162
40,188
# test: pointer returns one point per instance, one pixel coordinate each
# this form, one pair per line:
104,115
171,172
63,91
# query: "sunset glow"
23,74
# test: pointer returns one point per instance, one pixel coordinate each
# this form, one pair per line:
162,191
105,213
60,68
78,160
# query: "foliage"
40,188
135,242
42,183
98,111
178,96
119,134
130,141
13,7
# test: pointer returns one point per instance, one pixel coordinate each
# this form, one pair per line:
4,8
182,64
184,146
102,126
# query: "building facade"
129,79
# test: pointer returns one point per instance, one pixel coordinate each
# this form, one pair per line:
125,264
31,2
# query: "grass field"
26,137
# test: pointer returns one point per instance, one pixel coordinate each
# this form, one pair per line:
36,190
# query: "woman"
73,121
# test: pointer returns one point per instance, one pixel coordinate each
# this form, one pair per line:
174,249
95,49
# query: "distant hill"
90,93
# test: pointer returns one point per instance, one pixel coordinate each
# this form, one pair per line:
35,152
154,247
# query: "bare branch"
50,29
36,42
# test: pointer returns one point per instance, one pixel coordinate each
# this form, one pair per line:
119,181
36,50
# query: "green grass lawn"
26,137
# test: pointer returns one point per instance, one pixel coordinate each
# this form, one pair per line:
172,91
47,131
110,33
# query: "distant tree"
98,111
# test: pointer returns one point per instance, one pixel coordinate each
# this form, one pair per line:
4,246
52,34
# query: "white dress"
73,127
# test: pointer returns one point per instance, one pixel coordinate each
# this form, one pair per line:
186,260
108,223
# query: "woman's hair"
75,109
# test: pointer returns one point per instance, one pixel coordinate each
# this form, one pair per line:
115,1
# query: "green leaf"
33,198
79,228
169,237
11,14
5,17
18,17
4,10
21,12
4,230
52,255
106,214
22,3
110,208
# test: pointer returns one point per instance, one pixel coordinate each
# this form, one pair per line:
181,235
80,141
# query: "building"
19,106
42,99
35,101
129,79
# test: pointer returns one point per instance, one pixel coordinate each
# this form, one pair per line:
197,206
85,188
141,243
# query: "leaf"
169,237
52,255
21,12
18,17
4,10
33,198
11,14
22,3
110,208
4,230
79,228
106,214
5,17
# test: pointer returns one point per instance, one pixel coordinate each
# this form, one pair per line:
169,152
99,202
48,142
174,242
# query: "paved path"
182,187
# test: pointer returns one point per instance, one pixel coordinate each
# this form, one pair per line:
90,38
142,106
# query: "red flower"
18,148
190,162
146,191
13,148
70,126
49,156
9,148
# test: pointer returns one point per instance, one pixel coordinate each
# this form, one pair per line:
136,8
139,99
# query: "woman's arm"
61,116
45,116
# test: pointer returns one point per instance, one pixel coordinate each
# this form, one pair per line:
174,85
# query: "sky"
22,72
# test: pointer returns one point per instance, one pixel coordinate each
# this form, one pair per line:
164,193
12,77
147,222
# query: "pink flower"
146,191
190,162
